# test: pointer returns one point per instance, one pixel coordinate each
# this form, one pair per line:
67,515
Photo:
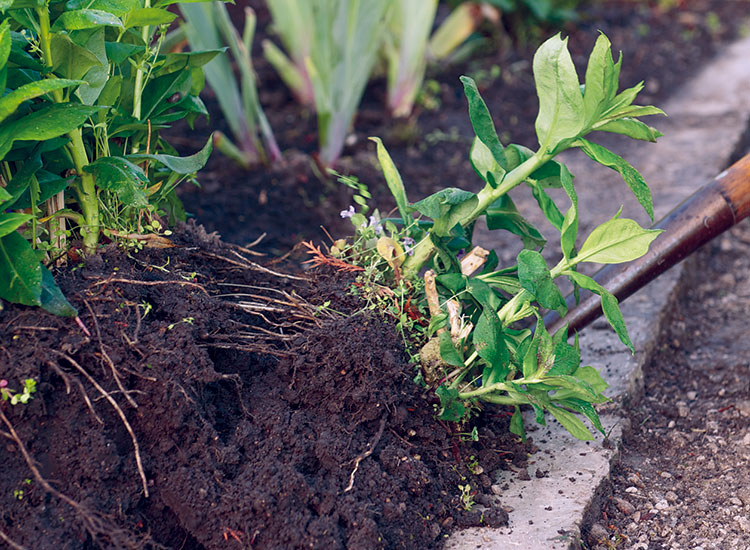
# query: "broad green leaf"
577,386
516,424
5,45
623,101
584,408
181,61
610,306
116,7
481,121
159,90
634,111
69,59
448,351
74,20
596,97
52,298
560,101
571,423
567,357
4,195
181,165
569,229
394,181
484,163
20,271
143,17
20,180
632,128
121,176
616,241
10,102
490,344
97,76
548,206
47,123
515,155
592,377
10,221
50,184
534,276
118,52
447,207
503,214
453,409
454,282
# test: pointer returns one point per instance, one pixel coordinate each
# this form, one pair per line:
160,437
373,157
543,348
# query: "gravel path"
683,477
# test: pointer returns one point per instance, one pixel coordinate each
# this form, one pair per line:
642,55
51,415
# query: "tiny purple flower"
409,245
376,225
348,213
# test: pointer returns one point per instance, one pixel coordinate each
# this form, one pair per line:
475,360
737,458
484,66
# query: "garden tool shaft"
707,213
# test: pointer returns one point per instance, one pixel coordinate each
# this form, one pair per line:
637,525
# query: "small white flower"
348,213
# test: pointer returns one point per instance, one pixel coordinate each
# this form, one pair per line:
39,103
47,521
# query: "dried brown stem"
247,264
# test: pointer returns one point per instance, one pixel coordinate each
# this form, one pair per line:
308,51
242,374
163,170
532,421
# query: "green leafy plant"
481,348
7,394
332,46
208,27
86,91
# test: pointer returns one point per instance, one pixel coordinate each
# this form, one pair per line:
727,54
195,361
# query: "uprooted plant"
88,91
480,347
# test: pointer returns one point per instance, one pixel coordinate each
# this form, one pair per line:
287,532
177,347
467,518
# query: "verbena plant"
208,27
86,92
333,45
488,355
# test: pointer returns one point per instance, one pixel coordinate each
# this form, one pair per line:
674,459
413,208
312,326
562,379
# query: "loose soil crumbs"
261,421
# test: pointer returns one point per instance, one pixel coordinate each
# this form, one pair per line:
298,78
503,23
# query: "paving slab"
707,118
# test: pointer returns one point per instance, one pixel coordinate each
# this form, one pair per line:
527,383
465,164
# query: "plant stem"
426,248
86,193
140,73
87,190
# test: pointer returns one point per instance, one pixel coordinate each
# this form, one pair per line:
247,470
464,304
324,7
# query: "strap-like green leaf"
394,181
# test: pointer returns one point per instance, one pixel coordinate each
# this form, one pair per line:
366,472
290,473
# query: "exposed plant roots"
368,452
10,542
120,413
98,526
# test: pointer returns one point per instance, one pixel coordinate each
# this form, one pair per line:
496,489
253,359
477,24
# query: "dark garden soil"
252,416
254,420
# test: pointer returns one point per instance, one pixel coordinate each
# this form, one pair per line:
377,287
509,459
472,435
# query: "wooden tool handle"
707,213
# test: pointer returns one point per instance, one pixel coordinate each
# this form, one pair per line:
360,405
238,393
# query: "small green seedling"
7,394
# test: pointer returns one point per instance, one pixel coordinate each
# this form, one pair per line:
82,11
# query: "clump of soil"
260,420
